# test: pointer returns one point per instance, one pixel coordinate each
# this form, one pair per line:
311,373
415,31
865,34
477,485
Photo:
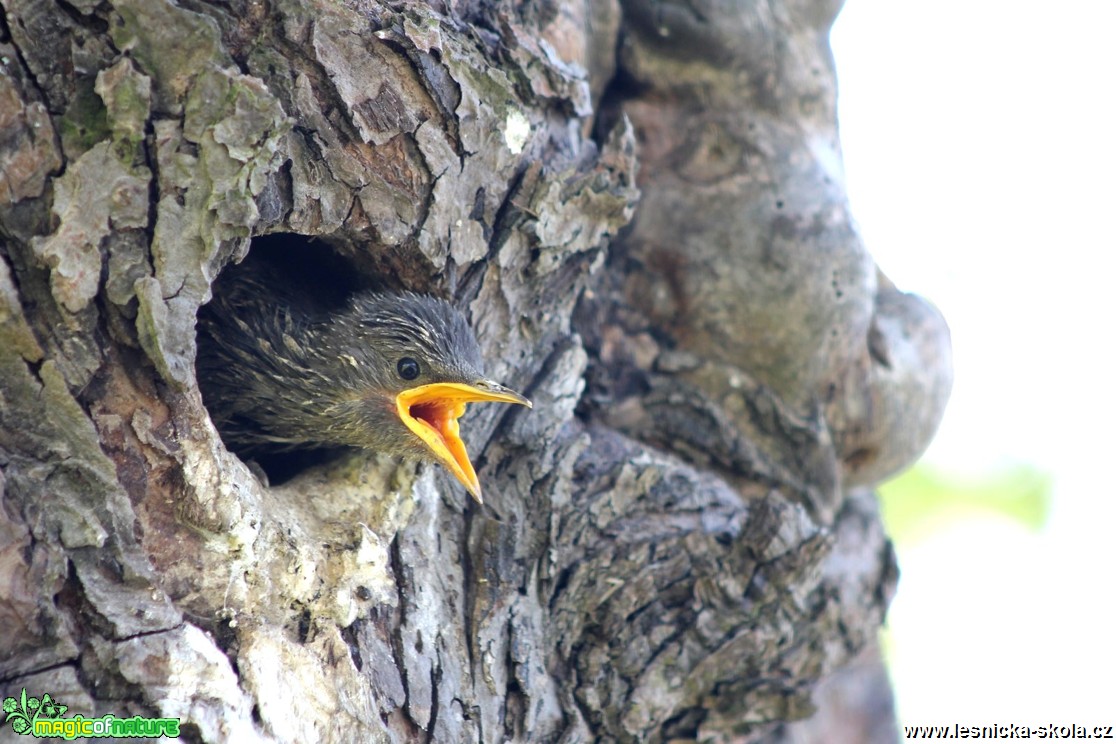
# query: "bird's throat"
437,426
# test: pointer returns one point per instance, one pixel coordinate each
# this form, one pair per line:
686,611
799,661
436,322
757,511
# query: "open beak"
431,412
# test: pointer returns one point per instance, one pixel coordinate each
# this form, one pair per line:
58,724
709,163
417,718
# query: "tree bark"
679,540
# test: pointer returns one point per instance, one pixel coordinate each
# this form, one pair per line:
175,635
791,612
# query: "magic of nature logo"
46,718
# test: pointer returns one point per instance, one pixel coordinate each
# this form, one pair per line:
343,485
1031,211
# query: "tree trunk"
678,541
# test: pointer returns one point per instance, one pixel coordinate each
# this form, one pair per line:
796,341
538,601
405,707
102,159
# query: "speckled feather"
280,370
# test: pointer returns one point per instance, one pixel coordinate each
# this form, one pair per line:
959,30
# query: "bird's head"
411,367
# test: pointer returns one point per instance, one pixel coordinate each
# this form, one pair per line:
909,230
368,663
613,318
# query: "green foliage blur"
924,500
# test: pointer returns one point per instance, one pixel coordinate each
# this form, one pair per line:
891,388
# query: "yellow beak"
431,412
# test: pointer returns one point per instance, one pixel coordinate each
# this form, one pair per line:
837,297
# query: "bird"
281,367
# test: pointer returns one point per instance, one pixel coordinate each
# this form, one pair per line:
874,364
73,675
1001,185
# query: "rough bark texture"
678,541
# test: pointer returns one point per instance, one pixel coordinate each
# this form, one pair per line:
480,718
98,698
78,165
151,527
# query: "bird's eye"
408,368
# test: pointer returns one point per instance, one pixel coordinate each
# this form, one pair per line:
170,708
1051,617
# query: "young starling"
279,369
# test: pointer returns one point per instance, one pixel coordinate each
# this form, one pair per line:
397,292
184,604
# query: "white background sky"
980,152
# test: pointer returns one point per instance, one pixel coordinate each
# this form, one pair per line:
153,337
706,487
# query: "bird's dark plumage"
279,368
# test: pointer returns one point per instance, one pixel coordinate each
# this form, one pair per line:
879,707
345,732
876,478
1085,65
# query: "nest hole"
286,267
330,271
